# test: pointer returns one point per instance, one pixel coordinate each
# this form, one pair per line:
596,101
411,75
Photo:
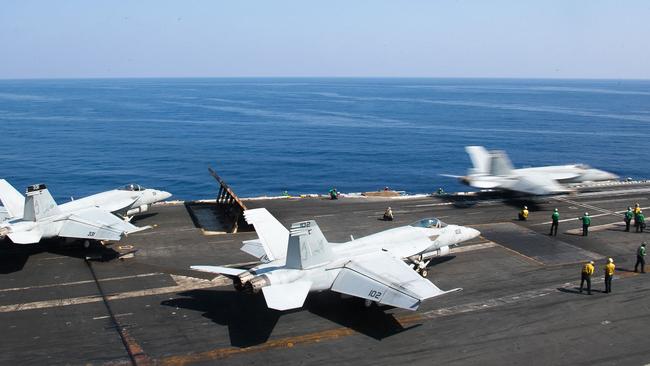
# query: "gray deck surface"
519,305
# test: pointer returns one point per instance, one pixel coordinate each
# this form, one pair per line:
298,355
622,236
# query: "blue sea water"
305,135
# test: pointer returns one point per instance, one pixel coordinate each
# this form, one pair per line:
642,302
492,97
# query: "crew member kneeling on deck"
388,214
587,271
523,214
609,273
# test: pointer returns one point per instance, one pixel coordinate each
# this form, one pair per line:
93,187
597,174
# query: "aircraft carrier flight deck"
138,302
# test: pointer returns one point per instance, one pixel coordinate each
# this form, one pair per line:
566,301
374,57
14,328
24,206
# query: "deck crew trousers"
608,283
640,260
586,278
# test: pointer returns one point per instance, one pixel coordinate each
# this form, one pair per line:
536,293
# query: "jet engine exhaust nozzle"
255,284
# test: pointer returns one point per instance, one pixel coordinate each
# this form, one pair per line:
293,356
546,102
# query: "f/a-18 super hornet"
27,220
493,170
378,268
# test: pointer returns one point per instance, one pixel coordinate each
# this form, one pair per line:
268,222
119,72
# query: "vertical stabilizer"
11,199
307,246
500,164
39,203
480,159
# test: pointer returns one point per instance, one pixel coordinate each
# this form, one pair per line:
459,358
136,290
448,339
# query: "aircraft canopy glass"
429,223
132,187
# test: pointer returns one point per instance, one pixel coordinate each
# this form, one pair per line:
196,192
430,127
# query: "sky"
359,38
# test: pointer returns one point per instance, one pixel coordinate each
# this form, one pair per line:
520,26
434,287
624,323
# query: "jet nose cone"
471,233
164,195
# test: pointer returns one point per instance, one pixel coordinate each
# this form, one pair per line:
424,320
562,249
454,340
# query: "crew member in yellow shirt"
587,271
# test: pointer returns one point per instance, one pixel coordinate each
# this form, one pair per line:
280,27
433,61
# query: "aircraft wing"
118,205
537,184
273,237
98,224
385,279
4,214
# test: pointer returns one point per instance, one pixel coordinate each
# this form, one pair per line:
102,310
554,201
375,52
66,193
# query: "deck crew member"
639,222
586,221
555,217
640,258
334,194
637,208
388,214
587,271
609,273
523,214
628,218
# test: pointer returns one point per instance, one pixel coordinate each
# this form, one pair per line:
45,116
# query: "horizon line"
318,77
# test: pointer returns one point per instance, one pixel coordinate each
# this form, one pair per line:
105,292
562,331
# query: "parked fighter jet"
373,268
37,216
493,170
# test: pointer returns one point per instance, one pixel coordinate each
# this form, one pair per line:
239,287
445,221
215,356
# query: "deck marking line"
80,282
183,284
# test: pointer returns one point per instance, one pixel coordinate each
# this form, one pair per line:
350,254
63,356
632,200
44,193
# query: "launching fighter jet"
29,219
493,170
300,260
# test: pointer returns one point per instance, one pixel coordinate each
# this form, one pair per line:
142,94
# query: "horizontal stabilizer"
286,296
256,249
226,271
25,237
12,200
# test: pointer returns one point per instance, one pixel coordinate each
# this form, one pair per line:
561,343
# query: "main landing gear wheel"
424,273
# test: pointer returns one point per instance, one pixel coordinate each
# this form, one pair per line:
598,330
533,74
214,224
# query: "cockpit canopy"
132,187
429,223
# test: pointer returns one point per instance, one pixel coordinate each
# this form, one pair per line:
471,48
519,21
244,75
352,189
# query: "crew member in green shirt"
555,217
586,221
628,218
640,222
640,258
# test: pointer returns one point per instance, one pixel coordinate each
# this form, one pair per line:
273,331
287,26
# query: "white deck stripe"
80,282
183,284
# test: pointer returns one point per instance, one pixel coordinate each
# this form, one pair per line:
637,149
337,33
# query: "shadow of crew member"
586,221
587,271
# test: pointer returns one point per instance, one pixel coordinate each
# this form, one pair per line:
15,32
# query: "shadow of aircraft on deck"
509,199
13,257
250,322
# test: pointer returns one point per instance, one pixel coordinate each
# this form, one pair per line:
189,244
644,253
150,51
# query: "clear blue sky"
144,38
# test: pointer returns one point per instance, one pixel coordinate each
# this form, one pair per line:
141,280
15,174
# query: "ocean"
305,135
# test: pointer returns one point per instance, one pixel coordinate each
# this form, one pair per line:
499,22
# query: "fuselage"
402,242
131,199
